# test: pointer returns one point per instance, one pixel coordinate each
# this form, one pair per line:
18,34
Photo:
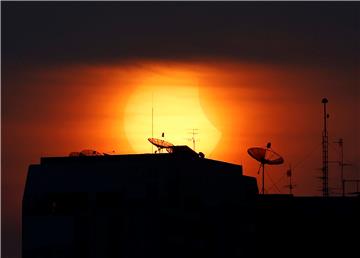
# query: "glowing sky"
86,76
234,106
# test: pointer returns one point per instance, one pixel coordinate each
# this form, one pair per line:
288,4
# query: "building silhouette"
173,205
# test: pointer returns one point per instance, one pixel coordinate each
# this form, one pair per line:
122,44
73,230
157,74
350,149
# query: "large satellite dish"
266,156
161,144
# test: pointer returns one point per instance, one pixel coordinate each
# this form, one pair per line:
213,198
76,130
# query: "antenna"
152,120
325,153
290,185
265,156
193,132
342,164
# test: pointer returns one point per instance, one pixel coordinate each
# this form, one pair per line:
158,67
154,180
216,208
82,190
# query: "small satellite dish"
161,144
90,153
85,153
74,154
265,156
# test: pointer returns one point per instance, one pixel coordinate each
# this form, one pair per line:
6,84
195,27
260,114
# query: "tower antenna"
291,186
193,132
342,164
325,153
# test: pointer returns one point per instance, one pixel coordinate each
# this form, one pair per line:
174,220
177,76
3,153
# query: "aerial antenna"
265,156
342,164
152,120
193,132
290,185
325,152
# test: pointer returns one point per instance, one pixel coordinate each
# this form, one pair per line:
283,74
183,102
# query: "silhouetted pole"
152,121
342,164
268,146
263,179
340,142
325,145
289,174
193,133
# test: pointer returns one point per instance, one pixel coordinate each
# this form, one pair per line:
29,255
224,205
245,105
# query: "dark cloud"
75,32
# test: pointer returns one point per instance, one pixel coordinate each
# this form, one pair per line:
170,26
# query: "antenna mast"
342,164
194,132
152,121
289,175
325,153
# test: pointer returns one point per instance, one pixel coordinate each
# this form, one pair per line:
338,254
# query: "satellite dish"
85,153
90,153
265,156
74,154
161,144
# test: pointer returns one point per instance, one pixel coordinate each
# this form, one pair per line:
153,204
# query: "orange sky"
67,109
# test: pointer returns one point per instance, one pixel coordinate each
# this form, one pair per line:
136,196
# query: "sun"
168,103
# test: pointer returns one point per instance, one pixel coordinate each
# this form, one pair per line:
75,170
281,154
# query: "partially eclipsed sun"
169,105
